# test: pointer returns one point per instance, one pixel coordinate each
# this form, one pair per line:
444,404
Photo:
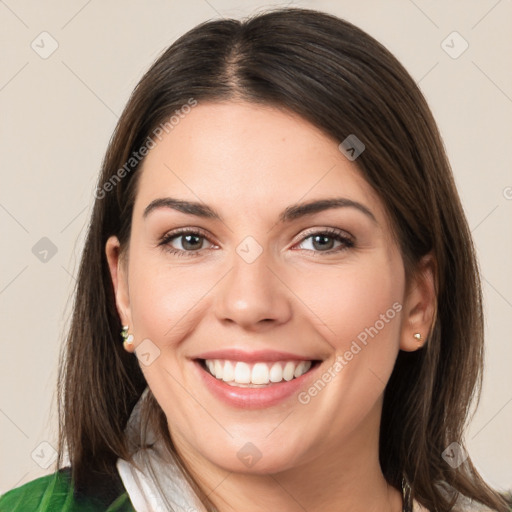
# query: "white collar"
154,460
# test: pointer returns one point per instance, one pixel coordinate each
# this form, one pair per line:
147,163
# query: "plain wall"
58,113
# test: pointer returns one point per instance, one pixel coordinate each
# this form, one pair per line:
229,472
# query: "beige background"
57,115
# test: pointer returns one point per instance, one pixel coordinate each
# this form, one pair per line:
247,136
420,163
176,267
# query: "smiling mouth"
258,374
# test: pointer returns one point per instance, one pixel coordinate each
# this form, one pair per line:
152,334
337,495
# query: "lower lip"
254,398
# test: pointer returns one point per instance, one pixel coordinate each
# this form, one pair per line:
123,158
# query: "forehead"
251,156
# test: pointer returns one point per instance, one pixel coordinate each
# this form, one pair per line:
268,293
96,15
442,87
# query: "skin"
249,163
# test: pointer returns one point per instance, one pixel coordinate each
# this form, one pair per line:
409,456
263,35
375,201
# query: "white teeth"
228,373
219,368
276,373
302,368
257,374
288,371
242,373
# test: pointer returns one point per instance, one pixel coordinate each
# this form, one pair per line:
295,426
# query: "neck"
346,476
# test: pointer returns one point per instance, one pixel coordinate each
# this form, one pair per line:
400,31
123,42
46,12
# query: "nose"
253,295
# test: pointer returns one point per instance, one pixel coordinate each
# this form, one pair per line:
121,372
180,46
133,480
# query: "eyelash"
346,241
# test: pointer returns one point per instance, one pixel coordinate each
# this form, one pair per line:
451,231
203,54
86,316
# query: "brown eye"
184,242
322,242
325,241
190,242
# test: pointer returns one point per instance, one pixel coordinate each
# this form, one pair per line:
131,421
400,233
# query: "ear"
118,272
420,305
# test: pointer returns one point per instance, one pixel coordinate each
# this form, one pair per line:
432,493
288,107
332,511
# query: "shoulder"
50,492
55,492
40,494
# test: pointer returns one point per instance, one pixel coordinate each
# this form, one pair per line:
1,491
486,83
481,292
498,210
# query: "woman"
278,305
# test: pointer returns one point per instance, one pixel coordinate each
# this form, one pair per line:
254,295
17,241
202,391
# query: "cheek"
165,300
357,311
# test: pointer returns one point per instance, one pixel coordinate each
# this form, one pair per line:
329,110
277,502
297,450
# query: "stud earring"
128,339
418,337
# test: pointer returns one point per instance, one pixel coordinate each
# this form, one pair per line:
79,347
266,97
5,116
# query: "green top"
54,492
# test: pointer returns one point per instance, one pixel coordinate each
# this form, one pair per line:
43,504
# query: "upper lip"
234,354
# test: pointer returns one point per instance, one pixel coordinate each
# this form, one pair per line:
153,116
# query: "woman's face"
262,283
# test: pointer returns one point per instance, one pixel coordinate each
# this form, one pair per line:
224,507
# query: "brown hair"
345,82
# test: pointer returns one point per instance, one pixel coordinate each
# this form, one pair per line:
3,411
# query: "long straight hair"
344,82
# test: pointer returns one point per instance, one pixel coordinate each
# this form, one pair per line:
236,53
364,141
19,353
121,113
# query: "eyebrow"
290,213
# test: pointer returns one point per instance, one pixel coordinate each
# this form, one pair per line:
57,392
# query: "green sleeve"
53,493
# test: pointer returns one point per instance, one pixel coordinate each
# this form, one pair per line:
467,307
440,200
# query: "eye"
190,242
324,241
184,242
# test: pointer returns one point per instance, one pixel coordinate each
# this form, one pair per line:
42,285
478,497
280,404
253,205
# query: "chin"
254,459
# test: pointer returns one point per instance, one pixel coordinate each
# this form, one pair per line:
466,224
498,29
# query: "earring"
128,339
418,337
